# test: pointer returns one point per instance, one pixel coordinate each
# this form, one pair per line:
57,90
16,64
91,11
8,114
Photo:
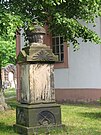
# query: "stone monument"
37,108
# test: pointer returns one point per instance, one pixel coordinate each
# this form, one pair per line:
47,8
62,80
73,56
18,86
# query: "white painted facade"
84,69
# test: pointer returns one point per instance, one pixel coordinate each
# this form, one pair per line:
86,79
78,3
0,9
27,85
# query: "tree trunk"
0,78
3,105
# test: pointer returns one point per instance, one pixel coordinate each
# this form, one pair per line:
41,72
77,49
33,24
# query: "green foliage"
7,52
61,16
8,26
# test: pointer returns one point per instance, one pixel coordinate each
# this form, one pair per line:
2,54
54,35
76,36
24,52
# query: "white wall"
84,66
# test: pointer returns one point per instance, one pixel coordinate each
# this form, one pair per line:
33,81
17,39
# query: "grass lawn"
79,120
82,119
9,92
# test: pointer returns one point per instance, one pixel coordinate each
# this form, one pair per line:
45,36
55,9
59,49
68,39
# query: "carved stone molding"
36,54
43,56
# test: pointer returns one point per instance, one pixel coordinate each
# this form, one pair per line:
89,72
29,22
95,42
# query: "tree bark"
0,78
3,105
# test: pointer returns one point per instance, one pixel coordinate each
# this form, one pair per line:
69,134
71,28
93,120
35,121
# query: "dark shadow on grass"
92,115
63,130
5,128
12,105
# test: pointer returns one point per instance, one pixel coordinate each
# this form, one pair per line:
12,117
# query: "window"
60,48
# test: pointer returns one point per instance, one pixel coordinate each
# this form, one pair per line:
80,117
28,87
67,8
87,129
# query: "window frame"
64,63
56,46
48,41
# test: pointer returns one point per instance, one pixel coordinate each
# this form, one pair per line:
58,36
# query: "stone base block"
22,130
35,118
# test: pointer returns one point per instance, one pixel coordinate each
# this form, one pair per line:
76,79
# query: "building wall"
84,69
82,79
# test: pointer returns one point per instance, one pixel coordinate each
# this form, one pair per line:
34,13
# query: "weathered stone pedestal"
37,118
37,109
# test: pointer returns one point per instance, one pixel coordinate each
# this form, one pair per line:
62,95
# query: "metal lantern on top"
37,109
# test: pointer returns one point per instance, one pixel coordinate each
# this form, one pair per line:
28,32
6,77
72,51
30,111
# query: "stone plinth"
31,118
